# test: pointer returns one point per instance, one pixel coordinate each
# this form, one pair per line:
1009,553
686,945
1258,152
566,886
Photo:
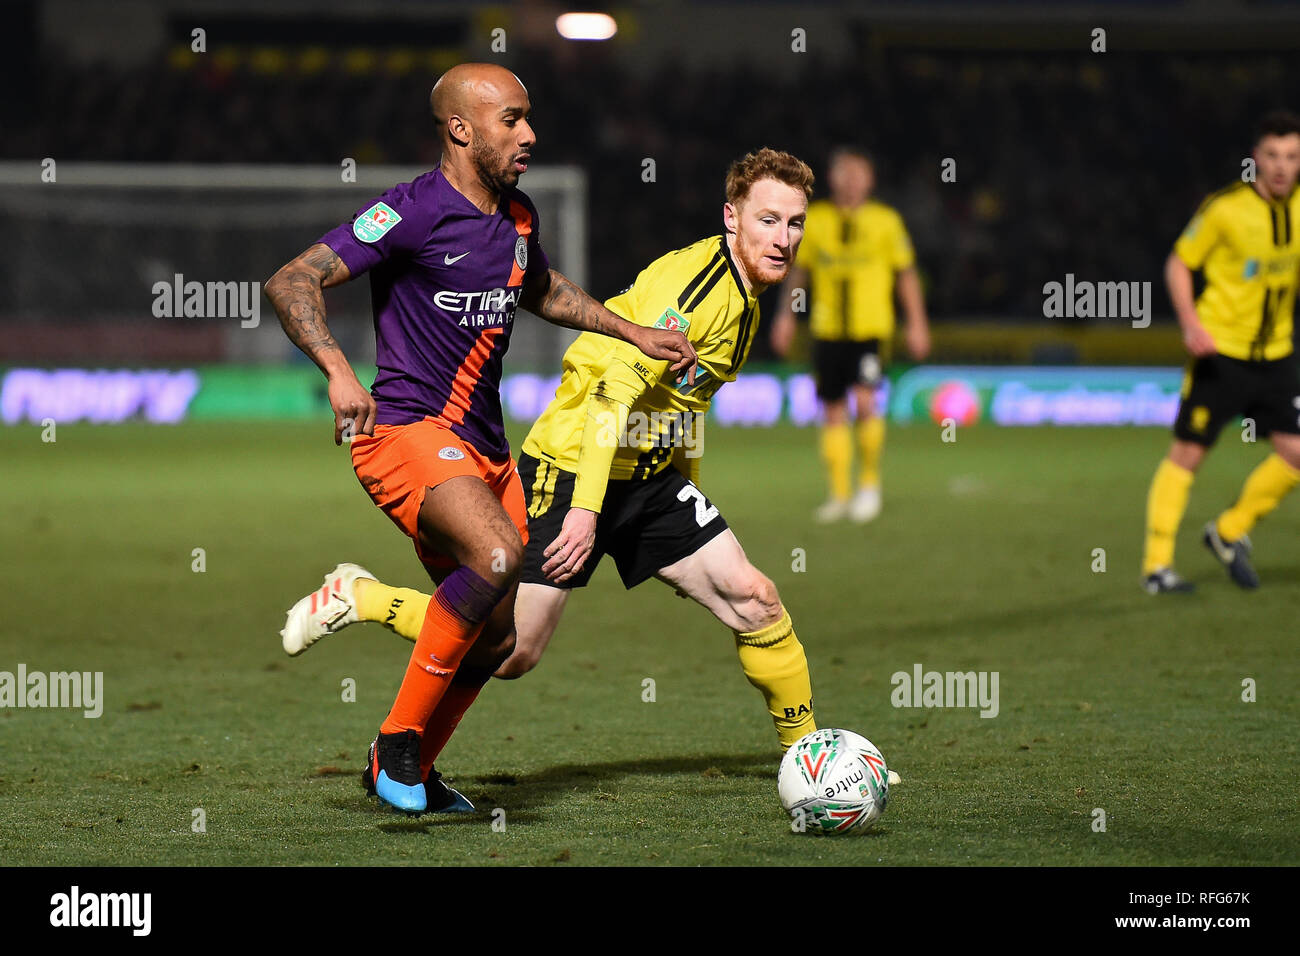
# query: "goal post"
89,242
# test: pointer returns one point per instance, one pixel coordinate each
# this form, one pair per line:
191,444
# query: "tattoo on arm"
323,259
296,292
564,304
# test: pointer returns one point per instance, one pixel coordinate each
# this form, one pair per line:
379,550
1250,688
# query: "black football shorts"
840,364
644,525
1218,389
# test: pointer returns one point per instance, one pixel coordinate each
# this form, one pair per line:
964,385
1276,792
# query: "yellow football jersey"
852,257
697,290
1249,249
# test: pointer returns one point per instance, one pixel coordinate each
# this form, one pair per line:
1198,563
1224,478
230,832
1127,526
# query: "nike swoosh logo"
447,258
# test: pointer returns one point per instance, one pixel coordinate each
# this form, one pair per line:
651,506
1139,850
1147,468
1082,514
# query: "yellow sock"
837,453
1264,489
398,609
871,441
1166,502
774,662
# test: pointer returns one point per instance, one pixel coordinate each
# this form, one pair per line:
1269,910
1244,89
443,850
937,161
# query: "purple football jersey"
445,279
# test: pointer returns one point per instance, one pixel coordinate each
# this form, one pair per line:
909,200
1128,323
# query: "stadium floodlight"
586,26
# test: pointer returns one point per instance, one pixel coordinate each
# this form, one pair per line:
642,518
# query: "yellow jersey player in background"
858,254
1246,240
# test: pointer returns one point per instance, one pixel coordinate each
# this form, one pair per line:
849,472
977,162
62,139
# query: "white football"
832,781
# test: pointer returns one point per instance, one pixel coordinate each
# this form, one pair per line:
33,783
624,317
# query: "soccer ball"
831,781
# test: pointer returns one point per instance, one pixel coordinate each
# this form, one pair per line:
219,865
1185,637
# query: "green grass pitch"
982,560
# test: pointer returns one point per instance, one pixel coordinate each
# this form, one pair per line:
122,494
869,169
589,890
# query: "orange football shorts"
399,463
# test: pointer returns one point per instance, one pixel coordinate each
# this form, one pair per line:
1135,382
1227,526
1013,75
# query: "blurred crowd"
1080,163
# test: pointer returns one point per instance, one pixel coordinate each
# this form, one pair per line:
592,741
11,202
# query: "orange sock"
451,625
462,692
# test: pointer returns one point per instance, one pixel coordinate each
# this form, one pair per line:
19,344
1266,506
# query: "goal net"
85,252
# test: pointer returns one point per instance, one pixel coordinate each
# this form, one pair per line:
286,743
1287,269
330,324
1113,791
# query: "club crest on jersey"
521,252
371,225
673,321
451,453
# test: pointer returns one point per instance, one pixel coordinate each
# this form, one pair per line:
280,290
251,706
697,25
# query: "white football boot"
865,505
834,509
894,778
330,608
